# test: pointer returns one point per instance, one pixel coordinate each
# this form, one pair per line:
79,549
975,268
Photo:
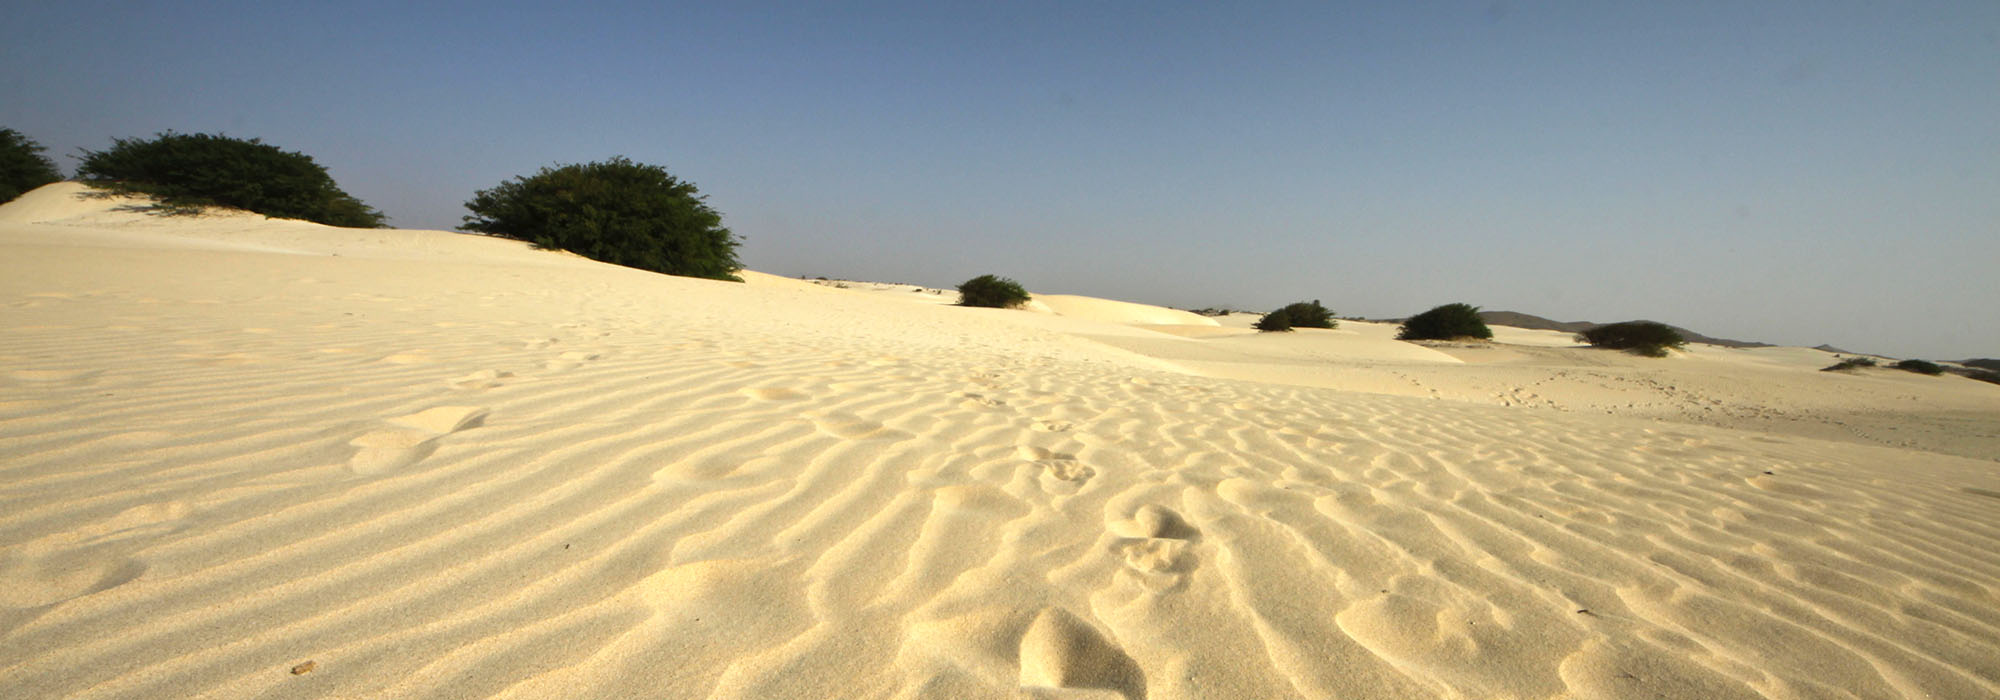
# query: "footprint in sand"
1060,651
482,379
407,358
1052,426
138,521
848,426
32,581
981,401
1061,473
570,360
1155,544
773,394
413,438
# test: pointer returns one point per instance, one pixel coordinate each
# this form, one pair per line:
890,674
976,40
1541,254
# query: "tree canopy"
616,211
22,165
190,172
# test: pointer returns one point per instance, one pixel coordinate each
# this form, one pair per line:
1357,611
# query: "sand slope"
451,466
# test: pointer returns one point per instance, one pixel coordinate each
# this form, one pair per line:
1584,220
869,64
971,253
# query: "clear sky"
1822,171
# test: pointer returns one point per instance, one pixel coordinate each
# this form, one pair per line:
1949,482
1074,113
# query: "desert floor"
247,458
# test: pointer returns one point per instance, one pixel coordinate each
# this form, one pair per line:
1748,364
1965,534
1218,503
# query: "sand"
252,458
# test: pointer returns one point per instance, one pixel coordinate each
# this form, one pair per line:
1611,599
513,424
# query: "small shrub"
992,292
1920,367
1304,314
1445,323
616,211
1274,322
1637,337
1850,363
190,172
22,165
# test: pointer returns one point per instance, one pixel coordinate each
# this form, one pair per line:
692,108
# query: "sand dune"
246,458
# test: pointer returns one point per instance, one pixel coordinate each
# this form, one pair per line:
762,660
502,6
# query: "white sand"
439,465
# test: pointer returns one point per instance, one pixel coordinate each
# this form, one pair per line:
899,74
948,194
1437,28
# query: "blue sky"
1793,172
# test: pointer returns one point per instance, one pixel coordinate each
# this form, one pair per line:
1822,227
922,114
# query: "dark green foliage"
1985,375
1273,322
992,292
1445,323
1920,367
1849,363
22,165
1637,337
1304,314
189,172
616,211
1983,364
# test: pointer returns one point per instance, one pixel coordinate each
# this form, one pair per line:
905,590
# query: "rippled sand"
242,458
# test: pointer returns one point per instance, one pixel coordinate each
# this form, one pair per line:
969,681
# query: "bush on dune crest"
187,173
1920,367
1446,322
22,165
1304,314
1645,338
992,292
616,211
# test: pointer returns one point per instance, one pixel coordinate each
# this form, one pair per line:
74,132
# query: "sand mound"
455,467
1109,311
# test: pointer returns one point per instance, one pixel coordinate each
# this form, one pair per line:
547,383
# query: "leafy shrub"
616,211
190,172
1849,363
22,165
1920,367
1445,323
992,292
1637,337
1304,314
1274,322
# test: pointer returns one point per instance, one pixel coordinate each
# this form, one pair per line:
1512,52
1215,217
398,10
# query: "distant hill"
1985,363
1533,322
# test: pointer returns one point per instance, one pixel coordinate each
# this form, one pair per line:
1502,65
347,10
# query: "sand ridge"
452,473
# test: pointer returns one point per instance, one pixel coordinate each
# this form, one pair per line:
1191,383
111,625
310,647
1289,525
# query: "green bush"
1920,367
1984,375
1637,337
190,172
1445,323
1304,314
616,211
22,165
992,292
1274,322
1850,363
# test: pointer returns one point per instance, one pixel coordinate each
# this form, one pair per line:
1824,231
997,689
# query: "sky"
1793,172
